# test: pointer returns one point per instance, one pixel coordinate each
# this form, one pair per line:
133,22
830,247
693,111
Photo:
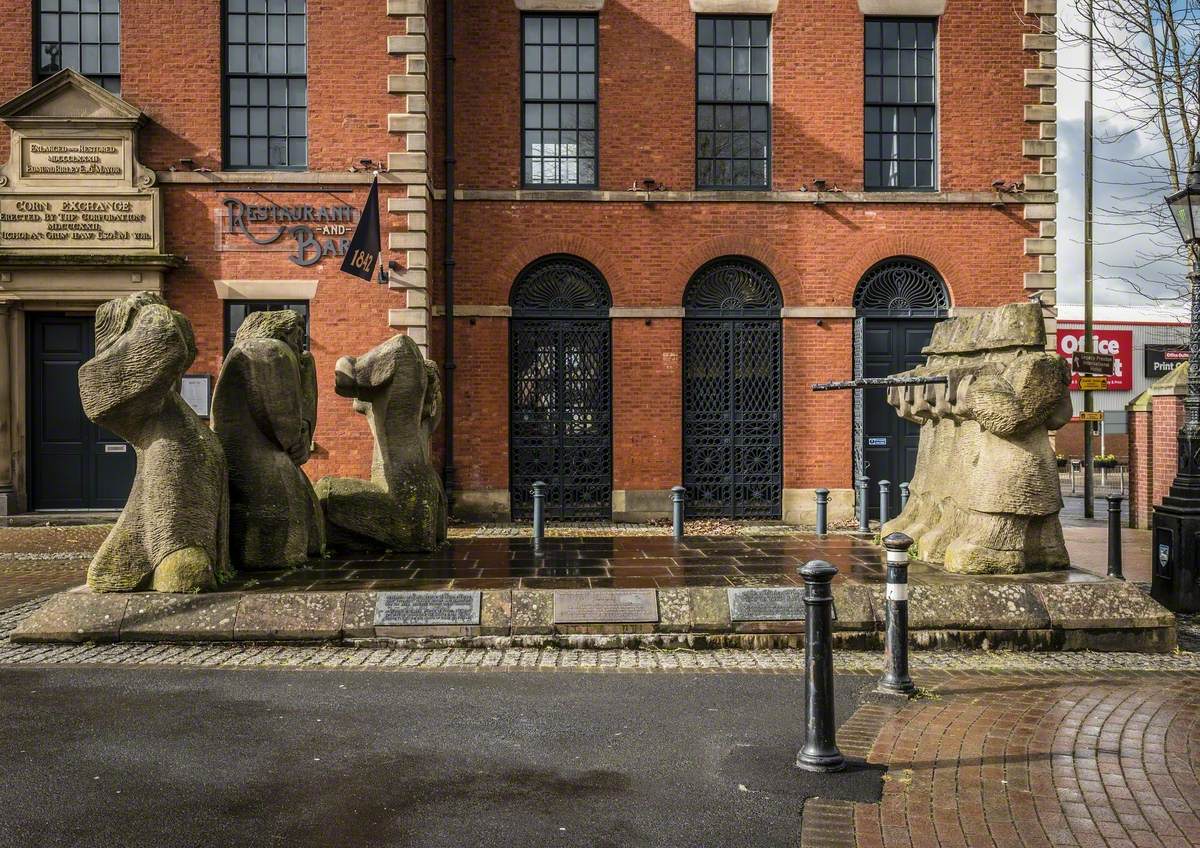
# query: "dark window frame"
523,101
769,103
38,76
273,305
228,76
933,105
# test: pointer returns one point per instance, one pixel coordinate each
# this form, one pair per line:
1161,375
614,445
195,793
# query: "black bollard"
885,502
539,514
677,495
820,751
864,513
822,511
1114,536
895,649
903,496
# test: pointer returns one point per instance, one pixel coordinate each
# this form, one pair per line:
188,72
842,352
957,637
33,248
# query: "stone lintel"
559,5
469,310
645,312
913,8
734,7
816,312
815,197
266,289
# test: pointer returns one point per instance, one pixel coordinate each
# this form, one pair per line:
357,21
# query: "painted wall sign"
1116,343
1163,359
308,233
54,222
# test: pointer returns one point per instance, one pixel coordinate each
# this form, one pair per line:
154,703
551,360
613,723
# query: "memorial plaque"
70,159
755,604
427,608
65,223
598,606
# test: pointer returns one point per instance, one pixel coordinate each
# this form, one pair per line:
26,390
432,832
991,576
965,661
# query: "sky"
1115,245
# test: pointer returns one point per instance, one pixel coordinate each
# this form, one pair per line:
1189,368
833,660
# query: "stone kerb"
1096,615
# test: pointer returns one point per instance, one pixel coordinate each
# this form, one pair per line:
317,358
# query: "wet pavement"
175,758
630,562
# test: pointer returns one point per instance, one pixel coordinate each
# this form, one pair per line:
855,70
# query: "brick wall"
1141,468
347,316
1166,419
647,90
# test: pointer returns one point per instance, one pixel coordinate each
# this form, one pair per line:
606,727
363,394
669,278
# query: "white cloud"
1123,245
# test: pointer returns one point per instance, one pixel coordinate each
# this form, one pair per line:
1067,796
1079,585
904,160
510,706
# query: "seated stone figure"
984,498
173,533
264,412
403,506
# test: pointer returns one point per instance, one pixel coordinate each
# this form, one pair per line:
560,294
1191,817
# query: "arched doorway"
732,391
560,390
897,302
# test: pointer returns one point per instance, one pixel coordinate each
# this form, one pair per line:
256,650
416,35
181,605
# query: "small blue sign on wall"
877,442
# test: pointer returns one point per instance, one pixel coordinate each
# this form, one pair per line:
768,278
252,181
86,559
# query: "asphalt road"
340,759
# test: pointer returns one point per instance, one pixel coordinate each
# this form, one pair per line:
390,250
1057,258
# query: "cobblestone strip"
1039,761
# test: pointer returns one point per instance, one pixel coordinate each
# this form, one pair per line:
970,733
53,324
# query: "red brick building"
668,219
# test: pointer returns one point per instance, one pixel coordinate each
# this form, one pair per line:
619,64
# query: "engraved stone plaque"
63,222
427,608
766,604
69,159
591,606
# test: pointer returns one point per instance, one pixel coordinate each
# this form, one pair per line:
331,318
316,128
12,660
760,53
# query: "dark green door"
73,464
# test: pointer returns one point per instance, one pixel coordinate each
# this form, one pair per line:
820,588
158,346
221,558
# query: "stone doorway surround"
81,222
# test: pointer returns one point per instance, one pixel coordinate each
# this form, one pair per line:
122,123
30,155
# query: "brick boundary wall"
1141,467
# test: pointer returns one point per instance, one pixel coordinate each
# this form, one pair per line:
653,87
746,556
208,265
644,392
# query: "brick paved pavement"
1027,762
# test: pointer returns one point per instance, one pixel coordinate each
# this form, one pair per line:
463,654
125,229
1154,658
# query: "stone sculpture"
173,533
403,506
984,498
264,412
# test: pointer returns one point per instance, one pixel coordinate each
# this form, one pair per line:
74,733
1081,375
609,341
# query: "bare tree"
1147,59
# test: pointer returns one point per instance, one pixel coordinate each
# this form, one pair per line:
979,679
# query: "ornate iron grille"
900,287
560,411
732,392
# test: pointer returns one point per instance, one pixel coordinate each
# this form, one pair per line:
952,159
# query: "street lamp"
1175,567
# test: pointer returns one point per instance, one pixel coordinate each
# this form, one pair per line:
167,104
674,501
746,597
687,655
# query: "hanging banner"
363,252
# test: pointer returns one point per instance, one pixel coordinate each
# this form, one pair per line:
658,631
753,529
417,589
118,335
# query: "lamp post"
1175,555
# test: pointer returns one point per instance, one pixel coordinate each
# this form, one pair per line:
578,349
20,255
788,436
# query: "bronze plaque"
618,606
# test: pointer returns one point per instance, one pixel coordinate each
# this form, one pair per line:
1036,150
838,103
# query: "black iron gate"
732,392
560,395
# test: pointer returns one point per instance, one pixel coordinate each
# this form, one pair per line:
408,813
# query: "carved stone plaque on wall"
69,159
73,185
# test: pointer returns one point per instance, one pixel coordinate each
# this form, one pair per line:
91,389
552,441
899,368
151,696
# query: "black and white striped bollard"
895,651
